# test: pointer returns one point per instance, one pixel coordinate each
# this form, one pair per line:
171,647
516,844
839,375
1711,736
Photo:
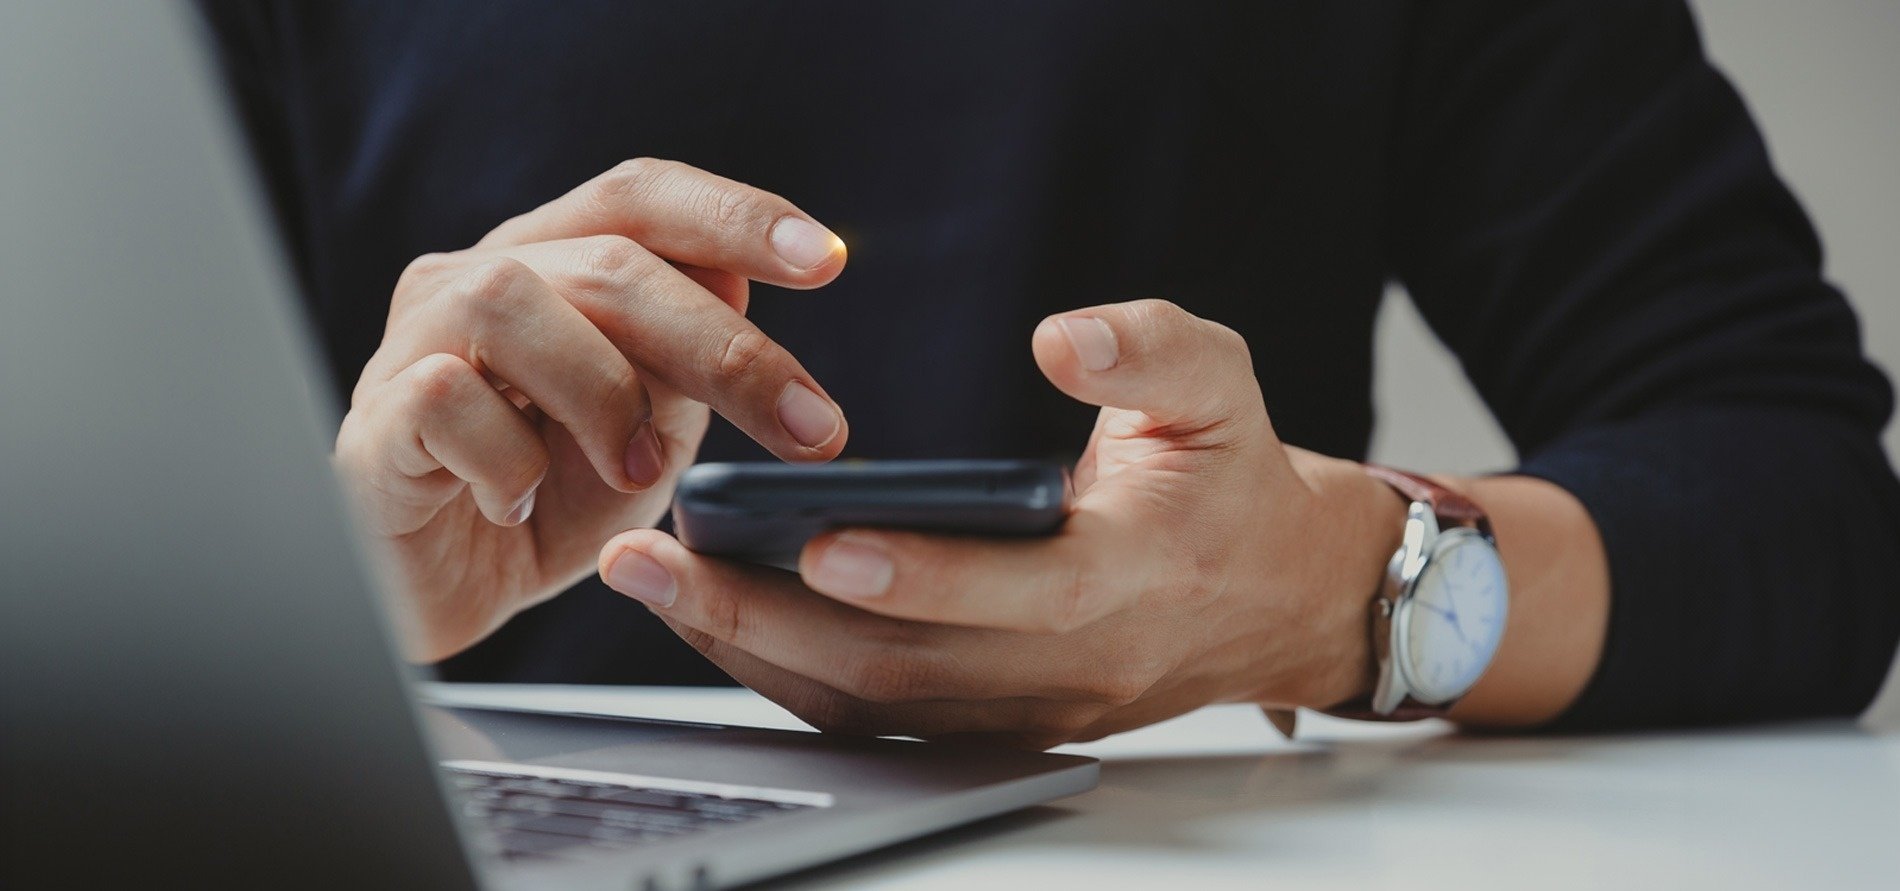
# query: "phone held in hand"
764,512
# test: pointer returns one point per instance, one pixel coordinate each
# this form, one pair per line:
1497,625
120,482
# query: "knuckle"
621,393
643,275
615,264
728,206
744,353
1156,312
725,619
1151,322
439,382
632,179
607,259
636,184
425,270
1158,307
490,292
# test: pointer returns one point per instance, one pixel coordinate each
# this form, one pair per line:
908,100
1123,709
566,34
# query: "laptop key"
578,828
647,797
541,817
538,786
534,843
735,807
612,812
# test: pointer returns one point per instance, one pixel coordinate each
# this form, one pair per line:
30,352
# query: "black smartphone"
765,512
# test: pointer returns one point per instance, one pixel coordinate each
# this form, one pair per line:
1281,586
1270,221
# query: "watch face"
1454,617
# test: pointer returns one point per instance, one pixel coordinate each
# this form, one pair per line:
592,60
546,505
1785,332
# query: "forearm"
1640,304
1558,579
1559,602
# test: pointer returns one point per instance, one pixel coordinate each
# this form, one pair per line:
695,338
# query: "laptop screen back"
195,684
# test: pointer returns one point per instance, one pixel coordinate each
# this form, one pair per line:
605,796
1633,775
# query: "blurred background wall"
1823,80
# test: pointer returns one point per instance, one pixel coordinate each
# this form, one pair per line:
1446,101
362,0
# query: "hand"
541,390
1204,562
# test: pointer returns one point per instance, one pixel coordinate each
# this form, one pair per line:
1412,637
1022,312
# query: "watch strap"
1450,507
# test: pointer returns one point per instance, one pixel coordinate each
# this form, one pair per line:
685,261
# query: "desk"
1216,800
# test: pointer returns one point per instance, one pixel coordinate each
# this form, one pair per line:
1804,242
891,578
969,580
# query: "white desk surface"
1216,800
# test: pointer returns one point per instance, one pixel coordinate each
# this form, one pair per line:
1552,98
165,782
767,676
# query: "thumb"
1153,357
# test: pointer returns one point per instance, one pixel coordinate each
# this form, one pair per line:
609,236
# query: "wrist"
1357,526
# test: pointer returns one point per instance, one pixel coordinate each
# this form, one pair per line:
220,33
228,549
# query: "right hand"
540,391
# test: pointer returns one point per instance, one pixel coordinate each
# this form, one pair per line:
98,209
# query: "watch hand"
1451,597
1451,617
1423,605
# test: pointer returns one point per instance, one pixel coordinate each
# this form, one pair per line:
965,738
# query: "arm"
1591,222
1560,602
1698,532
1205,562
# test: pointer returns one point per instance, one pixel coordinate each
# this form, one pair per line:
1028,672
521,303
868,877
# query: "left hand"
1204,562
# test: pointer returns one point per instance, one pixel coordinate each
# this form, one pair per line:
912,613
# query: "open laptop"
196,685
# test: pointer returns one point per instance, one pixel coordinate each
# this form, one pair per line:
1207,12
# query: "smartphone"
765,512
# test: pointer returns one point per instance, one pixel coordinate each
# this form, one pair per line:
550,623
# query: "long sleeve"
1589,219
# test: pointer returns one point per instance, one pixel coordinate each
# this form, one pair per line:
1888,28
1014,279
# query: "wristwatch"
1439,612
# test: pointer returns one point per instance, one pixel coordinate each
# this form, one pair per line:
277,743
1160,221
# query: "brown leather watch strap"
1447,504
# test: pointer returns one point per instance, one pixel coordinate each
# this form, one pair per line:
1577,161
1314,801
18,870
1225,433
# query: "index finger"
679,335
688,216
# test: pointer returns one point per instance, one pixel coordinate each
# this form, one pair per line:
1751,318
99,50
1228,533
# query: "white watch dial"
1454,617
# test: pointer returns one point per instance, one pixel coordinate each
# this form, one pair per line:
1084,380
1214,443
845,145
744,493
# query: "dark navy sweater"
1575,199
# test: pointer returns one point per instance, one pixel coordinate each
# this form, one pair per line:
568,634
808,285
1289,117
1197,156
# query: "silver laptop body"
196,684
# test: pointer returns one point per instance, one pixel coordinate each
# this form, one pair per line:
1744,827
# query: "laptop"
197,683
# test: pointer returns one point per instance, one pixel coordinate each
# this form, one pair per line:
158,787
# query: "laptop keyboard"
536,816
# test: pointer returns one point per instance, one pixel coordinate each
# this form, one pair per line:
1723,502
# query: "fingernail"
807,416
1092,340
803,244
645,462
642,578
852,567
522,511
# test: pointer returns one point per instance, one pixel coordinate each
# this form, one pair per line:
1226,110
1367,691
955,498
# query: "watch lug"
1421,529
1388,691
